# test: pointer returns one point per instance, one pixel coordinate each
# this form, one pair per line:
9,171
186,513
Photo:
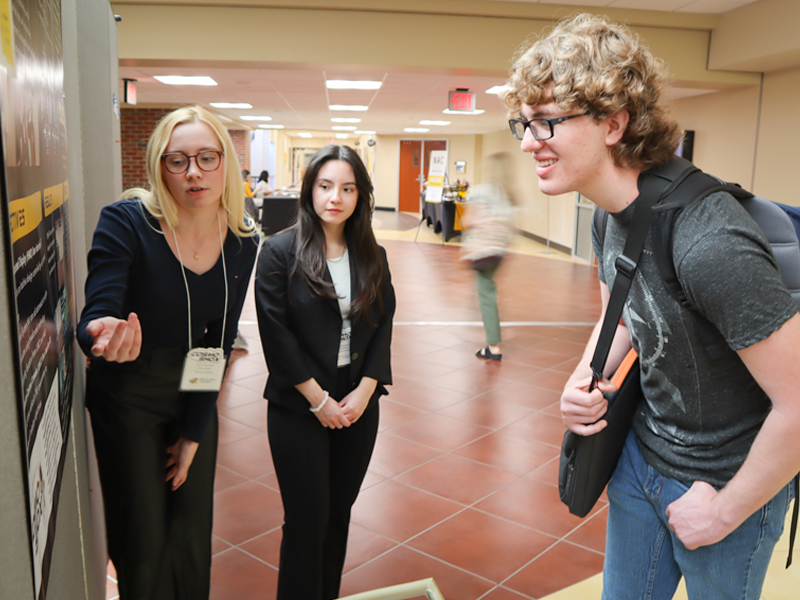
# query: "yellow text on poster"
6,32
53,198
25,215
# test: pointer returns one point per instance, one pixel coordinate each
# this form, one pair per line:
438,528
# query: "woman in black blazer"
325,304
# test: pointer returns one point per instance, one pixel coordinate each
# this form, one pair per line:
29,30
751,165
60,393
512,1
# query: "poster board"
436,174
36,195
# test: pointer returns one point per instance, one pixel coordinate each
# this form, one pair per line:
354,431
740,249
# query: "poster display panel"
35,192
436,174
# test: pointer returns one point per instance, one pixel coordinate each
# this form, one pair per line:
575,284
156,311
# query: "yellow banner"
435,181
25,215
53,198
6,32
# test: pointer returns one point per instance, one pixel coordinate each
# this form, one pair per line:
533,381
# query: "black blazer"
300,330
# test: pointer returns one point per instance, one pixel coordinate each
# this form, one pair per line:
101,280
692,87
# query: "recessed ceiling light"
345,120
351,107
270,126
183,80
255,118
498,89
344,127
341,136
416,130
437,123
238,105
364,132
305,135
477,111
342,84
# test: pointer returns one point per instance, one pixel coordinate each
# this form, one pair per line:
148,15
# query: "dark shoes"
487,353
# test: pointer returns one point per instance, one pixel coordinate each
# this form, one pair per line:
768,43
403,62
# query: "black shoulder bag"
587,462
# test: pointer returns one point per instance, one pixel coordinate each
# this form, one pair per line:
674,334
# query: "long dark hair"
364,250
264,176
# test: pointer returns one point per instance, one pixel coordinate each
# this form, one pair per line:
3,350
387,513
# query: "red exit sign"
461,100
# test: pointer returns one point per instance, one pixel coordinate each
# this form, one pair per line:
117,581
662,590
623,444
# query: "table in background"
278,212
445,217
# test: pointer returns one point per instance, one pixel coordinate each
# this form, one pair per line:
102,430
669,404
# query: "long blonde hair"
160,203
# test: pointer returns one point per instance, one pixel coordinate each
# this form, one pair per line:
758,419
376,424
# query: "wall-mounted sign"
461,100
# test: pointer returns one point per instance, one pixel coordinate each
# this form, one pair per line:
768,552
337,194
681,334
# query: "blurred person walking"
491,215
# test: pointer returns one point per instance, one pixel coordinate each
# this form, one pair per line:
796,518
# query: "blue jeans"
645,561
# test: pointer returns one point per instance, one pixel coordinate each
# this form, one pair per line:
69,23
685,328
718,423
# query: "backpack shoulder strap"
690,184
600,218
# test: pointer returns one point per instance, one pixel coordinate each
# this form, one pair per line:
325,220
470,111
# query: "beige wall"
778,150
148,33
725,126
387,162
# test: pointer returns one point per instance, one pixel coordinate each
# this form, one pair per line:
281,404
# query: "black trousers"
158,539
320,472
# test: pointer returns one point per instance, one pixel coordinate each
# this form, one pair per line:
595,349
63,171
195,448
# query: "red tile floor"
462,486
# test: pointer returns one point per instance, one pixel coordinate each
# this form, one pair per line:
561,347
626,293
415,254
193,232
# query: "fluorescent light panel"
237,105
341,136
345,120
342,84
498,89
255,118
477,111
270,126
183,80
305,135
364,132
350,107
344,127
416,130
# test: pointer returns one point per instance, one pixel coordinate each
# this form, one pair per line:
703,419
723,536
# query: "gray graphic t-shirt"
700,416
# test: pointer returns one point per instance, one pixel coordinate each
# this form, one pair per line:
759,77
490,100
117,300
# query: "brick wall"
137,124
241,141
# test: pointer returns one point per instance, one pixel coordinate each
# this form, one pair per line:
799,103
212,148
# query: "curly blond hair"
160,203
591,64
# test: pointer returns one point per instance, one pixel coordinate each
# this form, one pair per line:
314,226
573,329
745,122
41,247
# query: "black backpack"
684,184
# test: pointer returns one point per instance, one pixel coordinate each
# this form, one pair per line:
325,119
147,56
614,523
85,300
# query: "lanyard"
186,283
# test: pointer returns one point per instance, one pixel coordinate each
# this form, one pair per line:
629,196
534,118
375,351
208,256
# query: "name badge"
203,370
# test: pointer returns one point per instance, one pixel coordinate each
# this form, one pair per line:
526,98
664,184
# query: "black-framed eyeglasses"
541,128
178,162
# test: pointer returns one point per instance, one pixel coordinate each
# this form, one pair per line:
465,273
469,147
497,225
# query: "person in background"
168,271
325,303
704,481
248,193
490,232
262,189
240,342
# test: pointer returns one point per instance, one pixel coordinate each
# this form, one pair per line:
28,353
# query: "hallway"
462,485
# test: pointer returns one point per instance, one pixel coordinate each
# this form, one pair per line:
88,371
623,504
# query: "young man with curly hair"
705,479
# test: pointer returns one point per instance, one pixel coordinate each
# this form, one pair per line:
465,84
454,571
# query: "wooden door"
414,161
410,170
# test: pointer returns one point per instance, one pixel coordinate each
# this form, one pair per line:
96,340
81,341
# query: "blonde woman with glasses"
168,272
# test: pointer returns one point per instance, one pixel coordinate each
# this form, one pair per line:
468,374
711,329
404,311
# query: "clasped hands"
116,340
344,413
